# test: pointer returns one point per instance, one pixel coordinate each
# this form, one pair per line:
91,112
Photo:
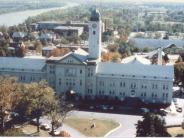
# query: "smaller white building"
69,30
17,36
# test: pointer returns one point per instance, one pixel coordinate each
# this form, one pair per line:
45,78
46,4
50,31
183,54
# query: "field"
174,131
101,128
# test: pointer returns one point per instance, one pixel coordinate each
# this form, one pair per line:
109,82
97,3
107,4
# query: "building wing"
136,70
22,63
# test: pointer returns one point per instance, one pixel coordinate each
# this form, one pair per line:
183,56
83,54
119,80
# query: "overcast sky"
165,1
137,1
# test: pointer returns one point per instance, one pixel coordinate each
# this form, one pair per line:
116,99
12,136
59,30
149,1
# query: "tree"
54,115
60,52
10,97
84,36
116,57
21,51
111,56
113,48
151,126
36,99
106,57
38,46
179,59
179,73
58,111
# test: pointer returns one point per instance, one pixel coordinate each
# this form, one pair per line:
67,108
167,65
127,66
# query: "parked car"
179,109
111,108
56,133
34,122
45,127
144,110
91,107
104,107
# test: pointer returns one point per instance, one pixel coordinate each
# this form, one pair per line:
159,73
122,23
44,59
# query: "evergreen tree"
151,126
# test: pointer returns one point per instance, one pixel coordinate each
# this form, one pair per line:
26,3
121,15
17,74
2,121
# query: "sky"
164,1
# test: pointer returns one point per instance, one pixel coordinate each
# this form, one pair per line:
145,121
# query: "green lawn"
84,126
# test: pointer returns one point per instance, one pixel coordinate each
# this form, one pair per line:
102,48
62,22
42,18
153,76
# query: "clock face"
94,25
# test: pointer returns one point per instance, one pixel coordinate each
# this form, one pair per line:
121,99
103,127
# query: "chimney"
159,56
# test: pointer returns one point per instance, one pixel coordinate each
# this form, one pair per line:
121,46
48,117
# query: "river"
15,18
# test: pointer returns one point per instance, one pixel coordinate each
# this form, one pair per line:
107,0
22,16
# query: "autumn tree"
113,48
38,46
116,57
36,99
106,57
111,56
10,97
59,52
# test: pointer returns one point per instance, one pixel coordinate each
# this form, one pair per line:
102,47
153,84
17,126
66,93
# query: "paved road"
127,129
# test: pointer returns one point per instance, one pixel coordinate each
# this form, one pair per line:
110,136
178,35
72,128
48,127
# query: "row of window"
70,82
23,78
133,93
133,85
90,91
71,72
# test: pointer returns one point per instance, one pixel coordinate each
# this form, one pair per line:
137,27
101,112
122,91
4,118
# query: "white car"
111,108
45,127
56,132
91,107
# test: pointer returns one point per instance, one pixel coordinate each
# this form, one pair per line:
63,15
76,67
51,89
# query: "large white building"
85,74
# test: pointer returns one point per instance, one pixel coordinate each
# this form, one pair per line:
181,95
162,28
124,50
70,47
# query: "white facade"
95,26
83,73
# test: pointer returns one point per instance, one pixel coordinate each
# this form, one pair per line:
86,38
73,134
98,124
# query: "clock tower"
95,35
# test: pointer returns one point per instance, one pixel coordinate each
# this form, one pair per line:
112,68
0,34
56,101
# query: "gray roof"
155,43
22,63
135,69
79,54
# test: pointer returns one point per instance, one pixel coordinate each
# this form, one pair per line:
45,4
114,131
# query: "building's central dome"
95,15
